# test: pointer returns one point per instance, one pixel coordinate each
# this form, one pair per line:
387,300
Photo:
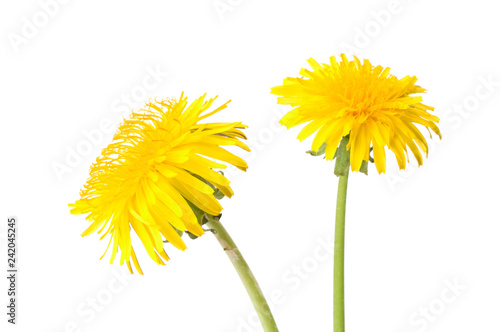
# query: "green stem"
338,265
246,275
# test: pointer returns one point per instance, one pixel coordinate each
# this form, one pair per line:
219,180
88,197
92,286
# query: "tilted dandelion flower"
156,168
377,110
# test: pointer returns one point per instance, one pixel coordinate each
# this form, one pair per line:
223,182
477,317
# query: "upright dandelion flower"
377,110
355,108
158,178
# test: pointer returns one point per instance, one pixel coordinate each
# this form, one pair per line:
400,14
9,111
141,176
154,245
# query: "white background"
409,234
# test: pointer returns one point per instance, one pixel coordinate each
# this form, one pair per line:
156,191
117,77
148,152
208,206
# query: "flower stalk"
338,264
342,171
355,109
246,275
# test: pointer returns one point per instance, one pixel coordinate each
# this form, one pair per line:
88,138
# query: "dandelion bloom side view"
157,177
355,108
377,110
151,174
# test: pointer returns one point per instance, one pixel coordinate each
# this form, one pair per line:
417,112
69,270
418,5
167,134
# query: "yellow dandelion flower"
153,170
377,110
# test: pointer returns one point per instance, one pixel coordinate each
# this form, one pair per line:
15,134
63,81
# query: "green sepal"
342,161
364,164
199,213
320,152
191,235
364,167
218,194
